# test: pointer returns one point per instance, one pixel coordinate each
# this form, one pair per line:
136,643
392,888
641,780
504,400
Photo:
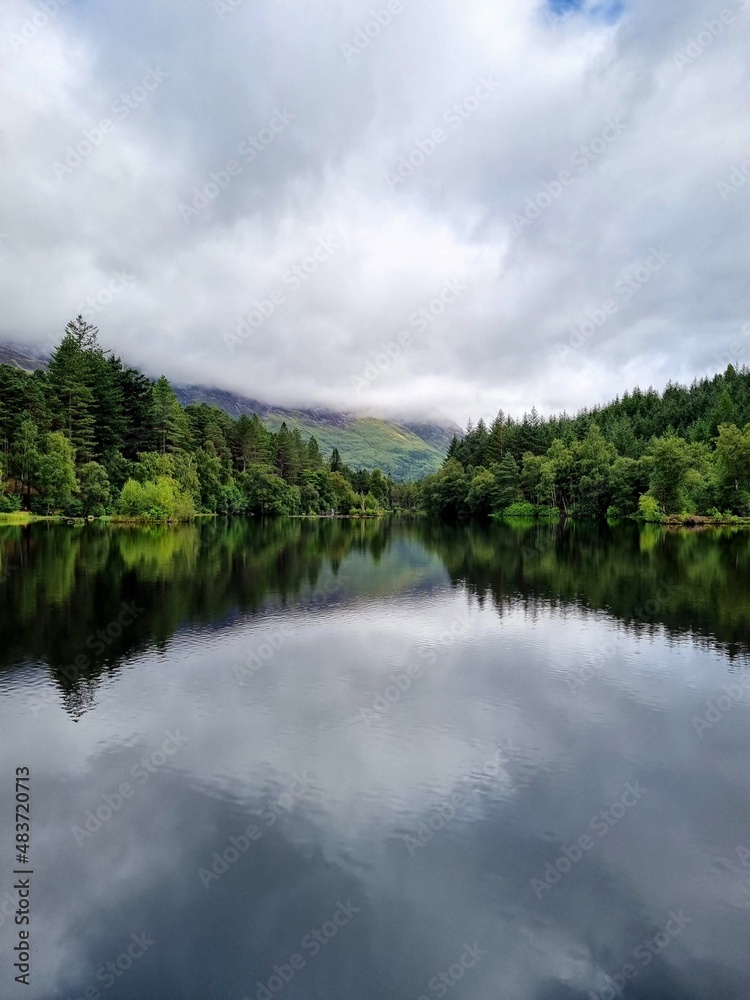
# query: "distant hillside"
405,449
21,357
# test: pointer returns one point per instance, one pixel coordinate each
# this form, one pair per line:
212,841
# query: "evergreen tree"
170,422
69,378
314,457
507,482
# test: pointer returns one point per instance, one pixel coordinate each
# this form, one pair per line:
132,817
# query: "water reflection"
398,720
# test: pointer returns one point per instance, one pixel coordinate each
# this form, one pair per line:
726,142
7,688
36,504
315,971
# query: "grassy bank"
22,517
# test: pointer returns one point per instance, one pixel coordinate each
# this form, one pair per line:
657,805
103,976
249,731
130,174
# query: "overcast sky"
504,166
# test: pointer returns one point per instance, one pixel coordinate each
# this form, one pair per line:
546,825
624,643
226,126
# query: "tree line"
89,435
680,453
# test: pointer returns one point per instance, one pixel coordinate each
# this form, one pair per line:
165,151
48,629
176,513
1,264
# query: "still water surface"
357,761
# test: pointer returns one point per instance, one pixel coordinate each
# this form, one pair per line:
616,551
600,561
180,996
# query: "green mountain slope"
368,443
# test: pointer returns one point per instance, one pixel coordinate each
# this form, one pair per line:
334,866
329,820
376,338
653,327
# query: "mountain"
21,357
405,449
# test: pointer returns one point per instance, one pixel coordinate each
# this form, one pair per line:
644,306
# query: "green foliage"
599,463
648,508
267,494
671,461
162,499
136,450
507,482
56,478
481,498
369,443
444,495
24,456
733,467
521,508
95,493
9,504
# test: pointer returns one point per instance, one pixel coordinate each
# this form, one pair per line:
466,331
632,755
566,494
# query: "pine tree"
138,410
498,438
508,482
69,379
84,334
284,452
314,457
169,418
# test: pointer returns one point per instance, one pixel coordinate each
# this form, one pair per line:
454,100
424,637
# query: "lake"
350,760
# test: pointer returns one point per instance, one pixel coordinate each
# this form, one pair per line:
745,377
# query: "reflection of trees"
60,585
687,581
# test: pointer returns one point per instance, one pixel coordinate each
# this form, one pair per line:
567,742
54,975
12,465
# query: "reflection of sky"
500,684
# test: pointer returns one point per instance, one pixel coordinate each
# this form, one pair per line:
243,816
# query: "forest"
678,454
90,436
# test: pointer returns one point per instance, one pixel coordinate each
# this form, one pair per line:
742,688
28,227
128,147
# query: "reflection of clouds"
503,682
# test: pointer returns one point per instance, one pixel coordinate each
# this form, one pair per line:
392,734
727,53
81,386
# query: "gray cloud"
320,124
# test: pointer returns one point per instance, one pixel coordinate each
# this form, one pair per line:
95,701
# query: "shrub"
648,508
520,509
157,500
9,504
547,513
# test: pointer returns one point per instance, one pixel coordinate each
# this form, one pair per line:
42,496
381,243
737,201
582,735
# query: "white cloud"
554,86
